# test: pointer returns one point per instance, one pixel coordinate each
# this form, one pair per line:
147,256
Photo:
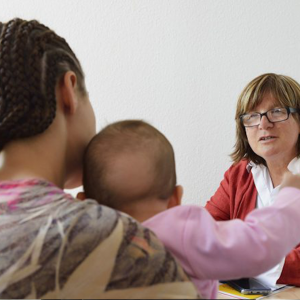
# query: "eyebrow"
254,111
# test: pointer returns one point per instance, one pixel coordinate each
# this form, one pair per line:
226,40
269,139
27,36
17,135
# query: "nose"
265,123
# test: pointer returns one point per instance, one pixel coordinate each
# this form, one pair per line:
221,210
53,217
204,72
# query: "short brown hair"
130,136
283,88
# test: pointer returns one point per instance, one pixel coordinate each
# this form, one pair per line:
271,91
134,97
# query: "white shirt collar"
250,166
262,180
293,166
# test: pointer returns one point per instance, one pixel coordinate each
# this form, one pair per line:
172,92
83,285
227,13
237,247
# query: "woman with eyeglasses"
267,145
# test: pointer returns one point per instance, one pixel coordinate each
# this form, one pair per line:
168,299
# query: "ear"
81,196
67,92
175,199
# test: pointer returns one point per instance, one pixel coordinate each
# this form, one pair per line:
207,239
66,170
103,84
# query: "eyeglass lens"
273,116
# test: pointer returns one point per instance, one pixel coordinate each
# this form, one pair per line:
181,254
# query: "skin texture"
148,208
290,180
279,151
64,141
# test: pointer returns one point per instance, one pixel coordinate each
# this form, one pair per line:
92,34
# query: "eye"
251,116
278,111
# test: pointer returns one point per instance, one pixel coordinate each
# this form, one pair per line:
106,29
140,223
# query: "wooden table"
292,293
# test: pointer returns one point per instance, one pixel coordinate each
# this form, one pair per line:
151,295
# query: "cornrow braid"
32,60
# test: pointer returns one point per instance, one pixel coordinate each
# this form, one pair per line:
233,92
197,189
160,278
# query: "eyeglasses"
273,115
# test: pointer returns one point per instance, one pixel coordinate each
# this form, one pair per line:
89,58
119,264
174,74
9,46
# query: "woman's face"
88,118
82,130
282,137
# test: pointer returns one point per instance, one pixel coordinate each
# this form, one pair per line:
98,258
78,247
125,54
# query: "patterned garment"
54,246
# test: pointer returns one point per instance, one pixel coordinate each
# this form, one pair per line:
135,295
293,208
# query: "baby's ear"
81,196
175,199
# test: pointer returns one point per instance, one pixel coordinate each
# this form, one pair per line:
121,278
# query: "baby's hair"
32,61
128,137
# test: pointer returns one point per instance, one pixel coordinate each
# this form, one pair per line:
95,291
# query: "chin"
270,156
268,153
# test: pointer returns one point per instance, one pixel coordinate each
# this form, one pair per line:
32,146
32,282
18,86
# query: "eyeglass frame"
290,110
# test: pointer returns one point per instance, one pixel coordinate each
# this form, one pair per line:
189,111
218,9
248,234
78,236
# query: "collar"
293,166
250,165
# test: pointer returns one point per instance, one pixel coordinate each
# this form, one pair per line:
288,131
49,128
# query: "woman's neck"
36,157
277,170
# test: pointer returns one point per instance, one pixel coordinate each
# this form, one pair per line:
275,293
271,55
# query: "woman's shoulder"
239,169
75,238
242,164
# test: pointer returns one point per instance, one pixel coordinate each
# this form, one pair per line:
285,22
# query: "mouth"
267,138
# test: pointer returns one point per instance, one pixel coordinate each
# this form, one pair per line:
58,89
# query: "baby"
130,166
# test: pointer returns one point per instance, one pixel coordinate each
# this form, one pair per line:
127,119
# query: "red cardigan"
235,198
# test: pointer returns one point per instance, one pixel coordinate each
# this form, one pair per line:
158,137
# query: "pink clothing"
212,250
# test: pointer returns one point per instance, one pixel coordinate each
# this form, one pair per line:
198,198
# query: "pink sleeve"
208,249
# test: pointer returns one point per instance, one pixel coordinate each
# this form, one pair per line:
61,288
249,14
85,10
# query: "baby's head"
130,166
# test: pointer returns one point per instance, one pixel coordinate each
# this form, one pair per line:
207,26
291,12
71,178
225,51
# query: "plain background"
179,65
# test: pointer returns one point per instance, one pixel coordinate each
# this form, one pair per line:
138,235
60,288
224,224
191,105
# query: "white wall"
178,64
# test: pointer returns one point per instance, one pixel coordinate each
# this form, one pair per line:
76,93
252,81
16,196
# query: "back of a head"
128,161
32,61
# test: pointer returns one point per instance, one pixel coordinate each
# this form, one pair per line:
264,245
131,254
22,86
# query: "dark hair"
32,60
131,136
283,88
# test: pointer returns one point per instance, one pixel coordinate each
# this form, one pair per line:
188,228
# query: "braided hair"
32,60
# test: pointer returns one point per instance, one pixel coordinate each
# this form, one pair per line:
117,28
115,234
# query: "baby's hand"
81,196
290,180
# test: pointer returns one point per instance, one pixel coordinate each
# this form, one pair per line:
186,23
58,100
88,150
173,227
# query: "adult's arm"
291,269
236,195
231,249
219,204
